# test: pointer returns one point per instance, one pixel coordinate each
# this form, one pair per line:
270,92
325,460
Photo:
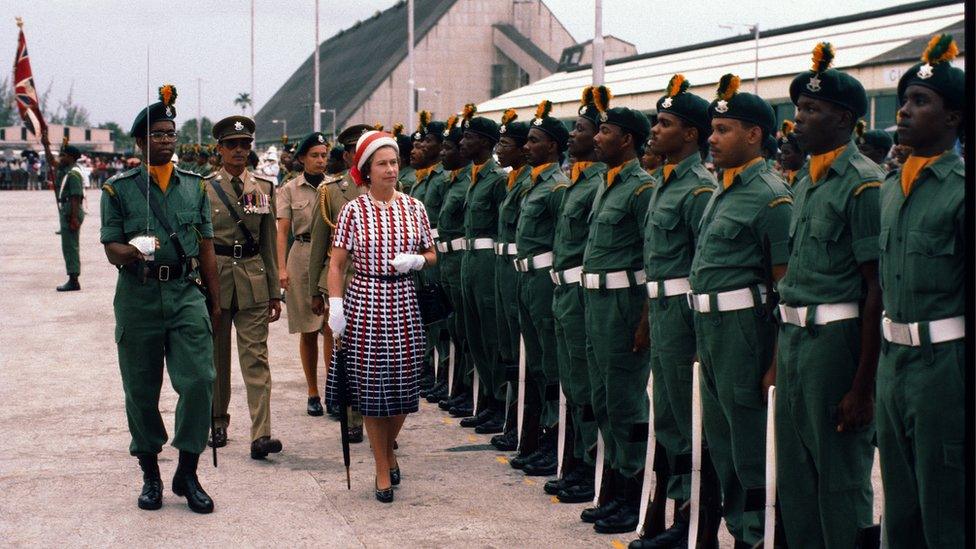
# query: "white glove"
337,320
404,263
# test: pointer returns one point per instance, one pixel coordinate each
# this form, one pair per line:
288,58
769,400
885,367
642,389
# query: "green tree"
123,142
243,101
8,108
74,114
188,131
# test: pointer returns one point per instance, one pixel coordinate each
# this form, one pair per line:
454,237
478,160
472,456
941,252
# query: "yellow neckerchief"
612,173
820,163
475,168
537,171
578,168
911,169
454,174
728,176
162,174
422,173
790,175
514,175
667,170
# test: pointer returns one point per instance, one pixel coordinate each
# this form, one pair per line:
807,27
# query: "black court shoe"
395,476
314,406
384,496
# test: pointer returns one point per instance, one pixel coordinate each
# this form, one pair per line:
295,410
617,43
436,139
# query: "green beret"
203,153
936,73
519,131
233,127
482,126
404,143
313,139
595,100
686,106
351,135
878,139
72,150
336,152
630,120
746,107
149,116
423,121
787,137
435,129
831,85
552,127
770,146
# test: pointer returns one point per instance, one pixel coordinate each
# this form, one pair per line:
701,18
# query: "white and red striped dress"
384,337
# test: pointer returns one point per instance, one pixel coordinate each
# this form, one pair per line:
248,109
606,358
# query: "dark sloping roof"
351,64
913,49
526,45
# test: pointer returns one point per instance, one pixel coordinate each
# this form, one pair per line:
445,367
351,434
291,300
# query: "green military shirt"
433,198
450,223
674,213
923,243
508,211
69,183
616,230
736,223
539,211
572,226
125,213
202,169
407,179
833,229
485,193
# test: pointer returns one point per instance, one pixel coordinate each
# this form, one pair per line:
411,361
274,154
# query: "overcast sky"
101,47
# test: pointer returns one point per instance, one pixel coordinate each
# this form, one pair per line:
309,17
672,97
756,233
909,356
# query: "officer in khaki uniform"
160,312
245,242
572,229
333,194
742,250
682,188
922,377
484,195
512,137
830,313
616,316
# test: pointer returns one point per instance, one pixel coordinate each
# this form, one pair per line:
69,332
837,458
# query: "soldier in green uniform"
159,310
682,189
333,194
741,251
791,156
408,174
572,228
874,144
830,313
70,192
616,315
510,154
544,149
245,241
451,245
203,166
484,196
922,376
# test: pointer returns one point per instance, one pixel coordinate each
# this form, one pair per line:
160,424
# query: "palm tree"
243,101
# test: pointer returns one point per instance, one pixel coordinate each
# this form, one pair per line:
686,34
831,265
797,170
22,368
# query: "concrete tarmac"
66,476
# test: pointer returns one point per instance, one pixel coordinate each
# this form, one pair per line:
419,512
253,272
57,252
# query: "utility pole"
252,68
316,106
199,112
412,100
598,57
755,79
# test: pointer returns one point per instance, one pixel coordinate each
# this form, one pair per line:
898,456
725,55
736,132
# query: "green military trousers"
736,349
823,477
450,266
158,320
574,375
435,332
618,375
506,309
538,331
478,294
251,325
69,242
672,356
921,435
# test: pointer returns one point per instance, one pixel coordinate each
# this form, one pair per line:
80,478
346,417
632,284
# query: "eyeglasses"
236,143
163,136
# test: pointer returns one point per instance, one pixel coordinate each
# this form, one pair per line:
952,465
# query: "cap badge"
925,71
238,125
169,111
814,83
603,117
582,110
503,129
722,106
537,122
321,138
447,133
667,102
416,136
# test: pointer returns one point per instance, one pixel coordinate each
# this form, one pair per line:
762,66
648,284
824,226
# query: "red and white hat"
367,144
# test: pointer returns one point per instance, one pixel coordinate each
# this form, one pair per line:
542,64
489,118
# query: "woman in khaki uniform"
297,204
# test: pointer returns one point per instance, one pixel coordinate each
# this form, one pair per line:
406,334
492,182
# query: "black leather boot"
151,497
627,516
186,484
675,536
483,416
263,446
609,503
581,491
71,285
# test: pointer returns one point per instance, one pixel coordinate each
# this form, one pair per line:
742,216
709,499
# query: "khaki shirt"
329,201
297,202
253,280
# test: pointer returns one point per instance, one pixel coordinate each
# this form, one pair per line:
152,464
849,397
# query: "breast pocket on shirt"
664,240
726,242
300,214
826,235
483,216
188,220
611,226
931,257
576,221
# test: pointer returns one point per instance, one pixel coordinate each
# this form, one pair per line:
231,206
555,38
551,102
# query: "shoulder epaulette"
643,188
209,176
780,200
185,171
866,168
265,178
126,174
108,189
702,189
865,186
559,186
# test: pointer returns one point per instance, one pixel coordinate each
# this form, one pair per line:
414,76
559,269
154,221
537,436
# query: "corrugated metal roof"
858,40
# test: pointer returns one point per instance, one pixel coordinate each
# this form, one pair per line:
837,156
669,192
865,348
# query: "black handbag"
434,304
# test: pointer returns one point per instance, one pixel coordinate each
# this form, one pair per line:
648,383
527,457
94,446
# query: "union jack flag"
24,89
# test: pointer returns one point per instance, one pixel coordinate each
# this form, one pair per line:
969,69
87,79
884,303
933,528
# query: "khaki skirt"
298,302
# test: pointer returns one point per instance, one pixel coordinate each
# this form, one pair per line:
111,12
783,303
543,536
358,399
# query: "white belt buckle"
898,333
793,315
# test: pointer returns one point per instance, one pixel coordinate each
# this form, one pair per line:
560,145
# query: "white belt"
506,248
568,276
455,245
672,287
940,331
733,300
825,313
534,262
435,234
613,281
480,244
